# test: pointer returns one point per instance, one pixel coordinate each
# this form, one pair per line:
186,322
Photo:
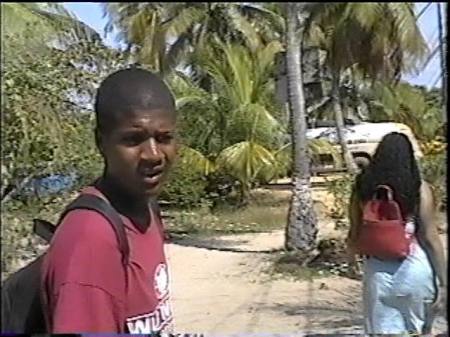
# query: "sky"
91,13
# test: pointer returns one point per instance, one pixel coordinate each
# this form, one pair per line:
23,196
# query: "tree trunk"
301,230
442,53
339,118
357,100
244,194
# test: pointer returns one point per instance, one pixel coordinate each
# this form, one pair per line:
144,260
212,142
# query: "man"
86,287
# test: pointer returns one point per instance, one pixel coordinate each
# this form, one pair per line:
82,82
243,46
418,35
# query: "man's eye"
165,138
132,139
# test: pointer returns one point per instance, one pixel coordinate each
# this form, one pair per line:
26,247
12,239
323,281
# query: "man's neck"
133,207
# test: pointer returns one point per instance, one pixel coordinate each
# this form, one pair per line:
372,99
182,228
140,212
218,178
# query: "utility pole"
442,51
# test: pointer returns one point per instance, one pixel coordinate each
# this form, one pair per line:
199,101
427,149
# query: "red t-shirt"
85,285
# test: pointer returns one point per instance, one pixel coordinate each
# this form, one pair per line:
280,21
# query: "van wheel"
362,162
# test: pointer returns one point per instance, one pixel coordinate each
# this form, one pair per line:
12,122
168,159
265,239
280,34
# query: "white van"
362,140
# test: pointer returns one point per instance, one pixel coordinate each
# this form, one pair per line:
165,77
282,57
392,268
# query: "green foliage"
37,121
187,184
236,128
255,218
19,243
331,260
166,35
47,118
382,39
415,107
55,25
244,160
201,116
231,125
222,189
340,188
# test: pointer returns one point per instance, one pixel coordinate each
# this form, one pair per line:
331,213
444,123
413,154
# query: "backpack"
22,310
383,233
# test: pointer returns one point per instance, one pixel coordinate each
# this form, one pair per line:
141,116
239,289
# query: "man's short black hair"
129,90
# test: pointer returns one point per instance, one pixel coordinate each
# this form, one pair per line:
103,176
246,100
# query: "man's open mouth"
152,177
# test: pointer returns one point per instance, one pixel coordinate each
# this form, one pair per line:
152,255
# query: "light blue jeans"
397,294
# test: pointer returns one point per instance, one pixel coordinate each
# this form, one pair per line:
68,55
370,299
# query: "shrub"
19,244
221,190
340,189
186,187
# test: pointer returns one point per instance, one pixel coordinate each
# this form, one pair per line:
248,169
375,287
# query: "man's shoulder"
85,224
83,221
84,235
84,251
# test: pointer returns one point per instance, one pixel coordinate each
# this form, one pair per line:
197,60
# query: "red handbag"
382,233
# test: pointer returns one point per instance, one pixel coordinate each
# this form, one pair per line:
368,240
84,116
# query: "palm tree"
163,34
234,128
380,39
301,231
442,51
157,38
244,129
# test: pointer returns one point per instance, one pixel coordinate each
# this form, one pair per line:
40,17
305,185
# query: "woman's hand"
440,302
354,265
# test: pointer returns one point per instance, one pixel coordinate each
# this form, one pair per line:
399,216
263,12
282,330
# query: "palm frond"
322,146
187,92
244,160
366,14
242,25
183,20
196,160
383,39
265,56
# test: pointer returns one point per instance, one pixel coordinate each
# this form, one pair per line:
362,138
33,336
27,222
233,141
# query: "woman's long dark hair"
393,164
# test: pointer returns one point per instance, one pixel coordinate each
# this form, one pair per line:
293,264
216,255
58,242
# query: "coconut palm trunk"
339,118
301,231
442,52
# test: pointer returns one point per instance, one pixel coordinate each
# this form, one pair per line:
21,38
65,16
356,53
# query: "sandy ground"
219,292
223,292
220,287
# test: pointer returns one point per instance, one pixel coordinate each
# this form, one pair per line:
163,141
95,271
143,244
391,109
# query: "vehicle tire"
362,162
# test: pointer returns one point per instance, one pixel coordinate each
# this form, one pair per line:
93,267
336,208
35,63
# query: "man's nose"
151,151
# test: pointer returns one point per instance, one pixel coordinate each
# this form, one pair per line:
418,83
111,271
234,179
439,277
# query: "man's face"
139,151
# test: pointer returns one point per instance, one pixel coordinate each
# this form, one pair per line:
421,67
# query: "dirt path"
222,292
227,292
220,287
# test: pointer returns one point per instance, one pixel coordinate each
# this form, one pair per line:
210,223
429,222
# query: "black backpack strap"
388,192
94,203
44,229
100,205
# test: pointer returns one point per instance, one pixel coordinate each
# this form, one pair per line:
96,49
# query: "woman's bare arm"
428,234
355,217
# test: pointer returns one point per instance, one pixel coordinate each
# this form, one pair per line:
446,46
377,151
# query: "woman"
86,287
399,296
